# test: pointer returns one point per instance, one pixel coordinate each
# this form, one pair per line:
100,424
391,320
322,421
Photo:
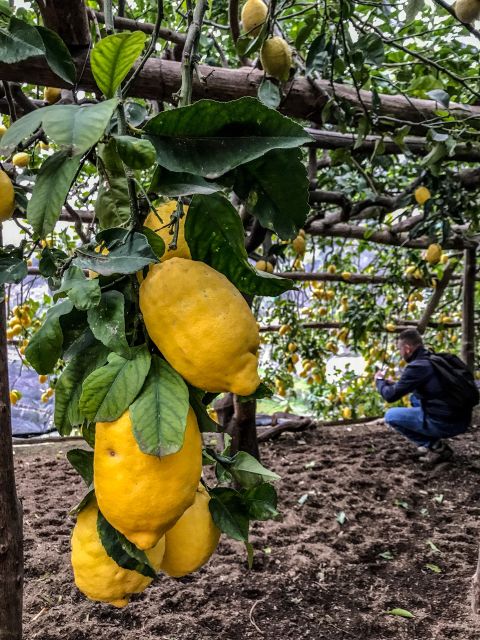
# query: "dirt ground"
312,577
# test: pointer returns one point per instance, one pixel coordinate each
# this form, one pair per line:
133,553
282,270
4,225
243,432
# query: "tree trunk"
435,299
11,537
468,315
243,428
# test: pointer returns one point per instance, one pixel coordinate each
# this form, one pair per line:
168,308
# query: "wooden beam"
135,25
69,19
11,536
161,79
468,311
355,278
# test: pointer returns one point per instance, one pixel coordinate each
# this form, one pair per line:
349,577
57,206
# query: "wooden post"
435,299
11,536
468,304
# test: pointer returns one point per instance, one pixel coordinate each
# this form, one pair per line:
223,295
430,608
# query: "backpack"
457,380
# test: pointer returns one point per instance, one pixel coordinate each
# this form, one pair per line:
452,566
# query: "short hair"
411,337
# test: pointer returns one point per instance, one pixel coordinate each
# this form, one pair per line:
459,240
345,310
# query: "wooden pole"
436,297
468,303
11,537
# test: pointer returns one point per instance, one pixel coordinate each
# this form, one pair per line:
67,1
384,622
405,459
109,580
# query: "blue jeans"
411,423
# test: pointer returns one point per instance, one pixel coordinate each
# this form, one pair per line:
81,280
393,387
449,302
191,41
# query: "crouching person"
443,394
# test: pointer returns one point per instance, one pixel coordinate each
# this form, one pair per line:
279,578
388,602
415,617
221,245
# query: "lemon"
264,265
52,94
276,57
152,222
467,11
285,328
346,275
202,325
346,413
139,494
433,254
21,159
331,269
7,197
97,575
299,245
192,540
3,130
254,14
422,194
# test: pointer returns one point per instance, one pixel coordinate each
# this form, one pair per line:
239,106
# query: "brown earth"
312,577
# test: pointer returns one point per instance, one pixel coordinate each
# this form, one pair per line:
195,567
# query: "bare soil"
312,577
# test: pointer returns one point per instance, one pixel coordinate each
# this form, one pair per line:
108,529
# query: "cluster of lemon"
206,331
275,54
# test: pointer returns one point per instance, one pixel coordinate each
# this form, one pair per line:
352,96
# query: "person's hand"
379,375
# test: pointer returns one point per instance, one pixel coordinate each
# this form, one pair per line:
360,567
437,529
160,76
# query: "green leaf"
83,292
441,96
210,138
155,241
113,57
229,513
434,568
214,234
130,254
12,266
90,495
108,391
45,346
21,128
249,472
57,54
135,152
18,43
205,422
174,184
262,391
69,386
50,191
403,613
51,260
112,207
78,127
124,552
269,93
159,414
107,322
412,9
250,551
261,501
280,204
82,461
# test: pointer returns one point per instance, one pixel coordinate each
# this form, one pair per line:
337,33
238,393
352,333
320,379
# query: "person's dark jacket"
420,378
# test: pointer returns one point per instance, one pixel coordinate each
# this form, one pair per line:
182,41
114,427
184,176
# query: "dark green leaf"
135,152
69,386
205,422
412,9
174,184
262,391
83,292
58,56
82,461
108,391
261,501
51,260
113,57
246,45
107,322
317,55
88,433
209,138
155,241
112,207
229,513
372,49
90,495
12,267
441,96
248,471
18,43
45,346
279,203
214,234
124,552
21,128
50,191
159,415
129,255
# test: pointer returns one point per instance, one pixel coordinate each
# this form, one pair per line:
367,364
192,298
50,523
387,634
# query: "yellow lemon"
264,265
299,245
192,540
3,130
346,413
202,325
152,222
467,11
21,159
7,197
276,57
143,495
422,194
285,328
97,575
433,254
254,14
52,94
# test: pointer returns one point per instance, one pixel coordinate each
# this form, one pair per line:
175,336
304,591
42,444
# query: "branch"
354,278
233,19
190,52
135,25
449,9
436,297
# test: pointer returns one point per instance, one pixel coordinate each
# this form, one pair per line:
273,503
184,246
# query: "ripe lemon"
264,265
139,494
422,194
299,245
254,14
202,325
3,130
52,94
346,413
21,159
467,11
97,575
192,540
276,57
7,197
285,328
433,254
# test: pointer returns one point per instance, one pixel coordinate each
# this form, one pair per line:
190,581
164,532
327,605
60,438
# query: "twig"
250,615
451,11
233,20
11,103
189,53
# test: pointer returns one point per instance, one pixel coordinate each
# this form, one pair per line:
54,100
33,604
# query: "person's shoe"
440,452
